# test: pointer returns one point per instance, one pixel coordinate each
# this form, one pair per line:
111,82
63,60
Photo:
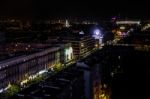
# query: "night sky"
64,8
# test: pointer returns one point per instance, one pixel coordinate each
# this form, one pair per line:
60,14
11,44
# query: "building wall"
92,78
18,69
83,46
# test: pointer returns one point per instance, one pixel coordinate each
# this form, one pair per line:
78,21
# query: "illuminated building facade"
26,67
124,27
68,53
82,44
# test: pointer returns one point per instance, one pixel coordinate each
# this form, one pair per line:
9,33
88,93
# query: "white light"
52,69
24,82
1,90
81,32
118,57
127,22
42,71
146,27
122,28
97,32
69,52
67,24
82,44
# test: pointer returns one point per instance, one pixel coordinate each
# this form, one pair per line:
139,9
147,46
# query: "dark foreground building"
68,84
127,72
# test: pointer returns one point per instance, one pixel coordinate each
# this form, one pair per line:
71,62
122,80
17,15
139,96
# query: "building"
82,44
98,36
20,69
124,27
66,53
92,78
68,84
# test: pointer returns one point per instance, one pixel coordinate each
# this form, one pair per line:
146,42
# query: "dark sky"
91,8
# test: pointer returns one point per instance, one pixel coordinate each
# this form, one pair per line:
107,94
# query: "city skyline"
68,50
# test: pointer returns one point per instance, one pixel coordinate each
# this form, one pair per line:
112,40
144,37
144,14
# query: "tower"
67,24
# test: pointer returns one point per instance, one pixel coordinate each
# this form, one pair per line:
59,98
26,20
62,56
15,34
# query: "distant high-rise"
67,23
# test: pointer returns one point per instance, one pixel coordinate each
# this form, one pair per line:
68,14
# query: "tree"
12,89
